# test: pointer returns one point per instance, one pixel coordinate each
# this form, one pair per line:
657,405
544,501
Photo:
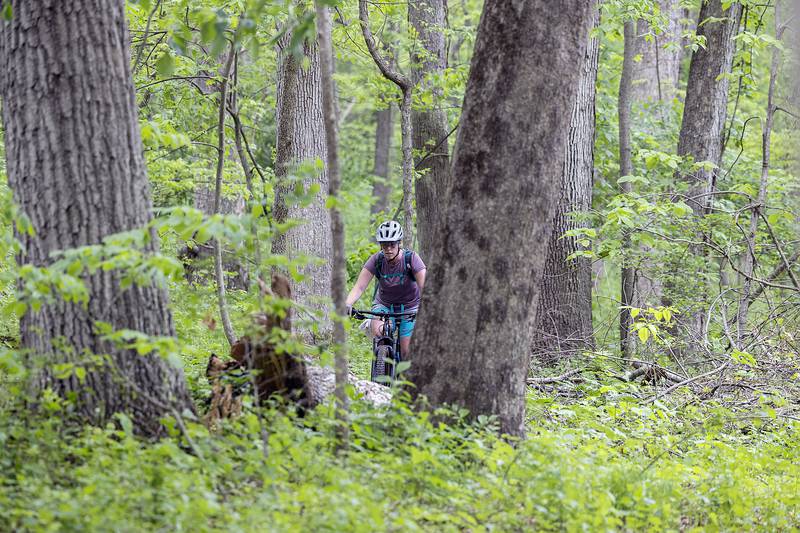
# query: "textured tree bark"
704,116
705,110
429,125
301,137
656,74
383,148
564,315
75,165
473,335
627,278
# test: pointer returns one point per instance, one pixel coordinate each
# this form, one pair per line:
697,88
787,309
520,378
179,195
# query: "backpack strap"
378,266
408,255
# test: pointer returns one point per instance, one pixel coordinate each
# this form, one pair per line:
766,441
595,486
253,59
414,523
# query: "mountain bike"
385,346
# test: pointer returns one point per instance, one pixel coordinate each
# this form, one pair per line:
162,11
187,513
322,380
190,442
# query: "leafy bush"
613,465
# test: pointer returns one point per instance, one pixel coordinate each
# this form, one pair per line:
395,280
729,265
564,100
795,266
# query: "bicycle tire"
382,353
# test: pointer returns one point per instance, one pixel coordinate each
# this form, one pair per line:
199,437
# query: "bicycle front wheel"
383,356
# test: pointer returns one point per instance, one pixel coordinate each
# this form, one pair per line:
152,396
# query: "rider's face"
390,249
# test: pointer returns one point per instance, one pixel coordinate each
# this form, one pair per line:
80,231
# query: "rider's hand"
350,310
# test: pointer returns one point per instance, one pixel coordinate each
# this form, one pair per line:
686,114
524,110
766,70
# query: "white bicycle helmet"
389,231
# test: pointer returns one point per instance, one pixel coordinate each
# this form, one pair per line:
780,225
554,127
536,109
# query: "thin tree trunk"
564,315
657,72
701,136
383,147
337,225
408,167
301,138
140,49
794,44
247,168
205,201
218,270
75,165
627,280
429,125
749,260
471,346
406,88
706,104
656,76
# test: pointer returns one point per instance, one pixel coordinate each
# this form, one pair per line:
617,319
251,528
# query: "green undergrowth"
606,463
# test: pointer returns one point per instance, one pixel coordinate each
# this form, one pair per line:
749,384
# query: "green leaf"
126,423
18,308
208,30
62,370
744,358
165,65
8,11
644,334
680,209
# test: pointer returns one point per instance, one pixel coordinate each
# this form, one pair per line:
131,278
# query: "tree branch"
140,49
223,95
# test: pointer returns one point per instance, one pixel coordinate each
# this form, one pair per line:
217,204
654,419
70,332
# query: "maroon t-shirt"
394,285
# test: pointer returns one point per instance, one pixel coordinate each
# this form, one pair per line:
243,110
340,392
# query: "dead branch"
556,379
688,381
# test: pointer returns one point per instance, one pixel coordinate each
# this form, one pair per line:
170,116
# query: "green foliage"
614,458
607,463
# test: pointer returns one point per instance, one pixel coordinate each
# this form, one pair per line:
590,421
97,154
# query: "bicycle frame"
389,335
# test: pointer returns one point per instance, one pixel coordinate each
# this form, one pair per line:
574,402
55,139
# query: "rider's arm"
420,277
358,289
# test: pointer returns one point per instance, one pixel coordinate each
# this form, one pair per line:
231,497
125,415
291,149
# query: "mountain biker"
400,281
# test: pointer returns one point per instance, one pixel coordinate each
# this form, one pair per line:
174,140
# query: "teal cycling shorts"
406,326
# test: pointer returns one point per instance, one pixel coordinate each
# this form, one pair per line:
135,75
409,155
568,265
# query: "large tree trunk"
473,338
301,137
75,165
701,135
383,149
432,162
706,106
564,314
656,74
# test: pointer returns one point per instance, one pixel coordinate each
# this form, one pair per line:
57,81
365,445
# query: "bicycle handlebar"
357,313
